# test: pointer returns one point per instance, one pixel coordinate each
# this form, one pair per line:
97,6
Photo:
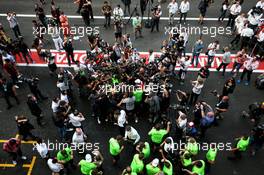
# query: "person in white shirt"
184,9
181,123
173,9
78,137
246,35
240,25
42,149
234,10
196,90
168,145
184,65
118,14
254,17
55,35
121,121
260,4
151,56
259,42
11,18
64,96
55,104
55,167
249,66
131,135
76,118
185,36
211,51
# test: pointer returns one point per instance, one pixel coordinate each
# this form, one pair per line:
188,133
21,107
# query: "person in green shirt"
192,146
138,94
186,159
241,146
153,167
115,148
137,164
65,157
210,158
128,171
137,25
167,167
157,134
197,169
87,166
143,147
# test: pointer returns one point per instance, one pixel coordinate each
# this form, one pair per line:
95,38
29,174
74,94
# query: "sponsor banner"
80,55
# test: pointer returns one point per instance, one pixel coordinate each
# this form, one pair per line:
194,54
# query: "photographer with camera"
35,109
255,112
257,138
156,14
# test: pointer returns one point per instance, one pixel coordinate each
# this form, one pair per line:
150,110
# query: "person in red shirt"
240,58
65,25
12,147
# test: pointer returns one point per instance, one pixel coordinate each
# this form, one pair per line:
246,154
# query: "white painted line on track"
102,17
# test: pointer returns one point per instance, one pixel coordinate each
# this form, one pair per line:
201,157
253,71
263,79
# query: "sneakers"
98,121
14,162
238,81
246,83
136,120
24,158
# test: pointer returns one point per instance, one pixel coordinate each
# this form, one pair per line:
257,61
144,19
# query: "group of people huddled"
146,94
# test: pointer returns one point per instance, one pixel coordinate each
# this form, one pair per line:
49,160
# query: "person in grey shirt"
11,18
225,60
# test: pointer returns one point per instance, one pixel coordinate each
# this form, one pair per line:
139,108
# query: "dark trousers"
27,56
28,134
91,12
16,31
37,93
183,15
236,66
79,7
155,22
127,7
236,39
244,42
196,57
70,58
107,20
8,100
15,154
86,18
193,98
210,60
222,15
248,72
122,131
231,20
224,65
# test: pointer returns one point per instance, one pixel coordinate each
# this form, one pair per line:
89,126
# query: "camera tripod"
131,15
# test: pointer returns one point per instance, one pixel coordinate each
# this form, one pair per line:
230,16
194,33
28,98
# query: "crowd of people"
147,89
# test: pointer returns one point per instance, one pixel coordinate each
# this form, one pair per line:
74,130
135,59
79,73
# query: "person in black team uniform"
7,89
67,46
